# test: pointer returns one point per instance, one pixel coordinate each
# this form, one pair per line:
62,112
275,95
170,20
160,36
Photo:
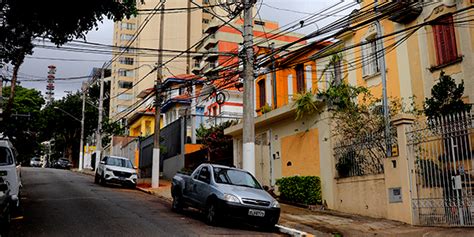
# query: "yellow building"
142,123
420,41
284,146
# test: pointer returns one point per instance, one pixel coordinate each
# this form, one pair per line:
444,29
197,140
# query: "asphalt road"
65,203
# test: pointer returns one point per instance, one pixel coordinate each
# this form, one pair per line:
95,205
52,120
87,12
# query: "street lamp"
81,143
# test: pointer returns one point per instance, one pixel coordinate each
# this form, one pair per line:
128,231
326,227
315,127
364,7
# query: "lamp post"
81,143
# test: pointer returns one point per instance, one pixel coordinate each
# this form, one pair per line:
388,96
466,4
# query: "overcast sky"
36,65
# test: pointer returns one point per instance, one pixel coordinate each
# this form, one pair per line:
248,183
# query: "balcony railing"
403,12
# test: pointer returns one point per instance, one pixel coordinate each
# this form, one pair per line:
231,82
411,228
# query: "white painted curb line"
292,232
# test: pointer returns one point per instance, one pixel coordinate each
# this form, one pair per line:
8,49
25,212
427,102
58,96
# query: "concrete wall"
364,195
172,165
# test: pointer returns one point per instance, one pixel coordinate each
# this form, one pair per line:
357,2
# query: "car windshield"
235,177
6,157
36,159
119,162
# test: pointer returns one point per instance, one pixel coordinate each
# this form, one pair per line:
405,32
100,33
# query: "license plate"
259,213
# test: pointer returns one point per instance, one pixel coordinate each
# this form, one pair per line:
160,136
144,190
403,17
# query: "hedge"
300,189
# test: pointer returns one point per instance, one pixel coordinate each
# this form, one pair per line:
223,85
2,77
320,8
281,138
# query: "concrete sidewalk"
298,221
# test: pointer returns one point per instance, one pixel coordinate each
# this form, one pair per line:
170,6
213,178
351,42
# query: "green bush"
300,189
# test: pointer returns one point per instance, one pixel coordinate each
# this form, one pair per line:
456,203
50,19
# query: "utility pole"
249,78
81,143
155,168
383,73
1,98
272,46
99,124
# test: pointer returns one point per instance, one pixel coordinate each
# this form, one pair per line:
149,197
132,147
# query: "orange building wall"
302,150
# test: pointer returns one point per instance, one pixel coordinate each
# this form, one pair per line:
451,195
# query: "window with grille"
128,26
125,96
125,84
126,37
370,63
126,60
445,40
125,73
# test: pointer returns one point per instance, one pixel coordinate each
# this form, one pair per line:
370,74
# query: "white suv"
116,169
9,171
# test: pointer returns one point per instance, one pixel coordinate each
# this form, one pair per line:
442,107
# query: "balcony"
212,54
208,67
212,27
210,42
403,11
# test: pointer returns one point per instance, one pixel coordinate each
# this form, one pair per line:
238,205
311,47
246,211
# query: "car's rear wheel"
5,223
102,180
96,179
177,204
212,214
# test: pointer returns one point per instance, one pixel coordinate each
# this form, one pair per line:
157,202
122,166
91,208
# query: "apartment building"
137,43
220,64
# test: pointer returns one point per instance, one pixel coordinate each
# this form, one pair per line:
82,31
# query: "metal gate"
441,170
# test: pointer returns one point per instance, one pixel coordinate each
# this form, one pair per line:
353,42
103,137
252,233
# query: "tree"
24,127
22,21
64,129
446,98
218,145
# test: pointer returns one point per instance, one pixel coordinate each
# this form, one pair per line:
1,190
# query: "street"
65,203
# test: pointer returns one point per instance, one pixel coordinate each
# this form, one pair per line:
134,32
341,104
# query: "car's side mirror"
135,167
3,187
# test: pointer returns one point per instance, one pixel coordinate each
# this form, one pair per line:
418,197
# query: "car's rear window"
6,156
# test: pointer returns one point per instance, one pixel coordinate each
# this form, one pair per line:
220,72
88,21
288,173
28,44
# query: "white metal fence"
442,181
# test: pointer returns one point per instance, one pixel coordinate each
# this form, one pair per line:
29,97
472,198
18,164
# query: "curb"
292,232
145,191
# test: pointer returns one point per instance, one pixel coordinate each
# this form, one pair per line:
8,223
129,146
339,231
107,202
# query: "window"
259,23
119,162
6,157
121,108
370,63
126,37
128,26
235,177
445,40
125,96
125,84
197,63
205,175
205,21
290,86
125,73
126,60
262,93
127,50
309,78
300,78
